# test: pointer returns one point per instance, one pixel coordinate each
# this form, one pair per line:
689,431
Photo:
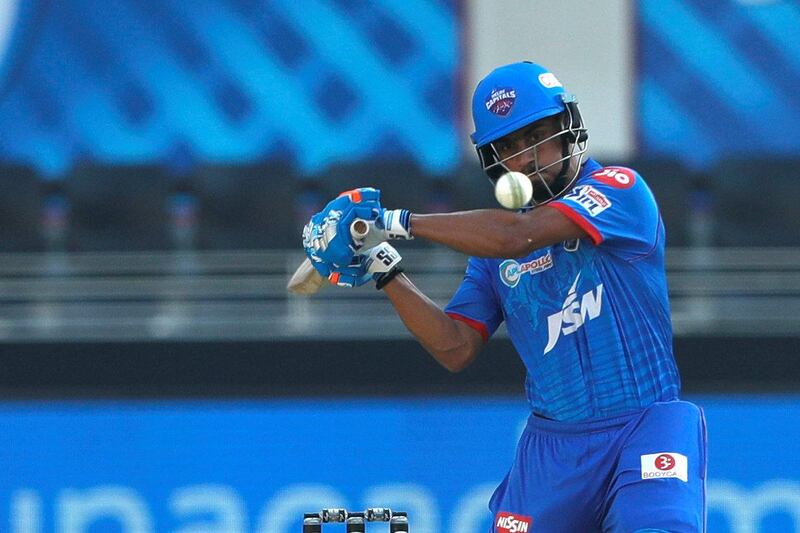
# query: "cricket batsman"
578,277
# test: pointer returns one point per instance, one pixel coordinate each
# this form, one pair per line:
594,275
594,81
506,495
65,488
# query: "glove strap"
382,279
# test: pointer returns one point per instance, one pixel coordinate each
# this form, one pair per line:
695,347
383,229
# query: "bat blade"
306,280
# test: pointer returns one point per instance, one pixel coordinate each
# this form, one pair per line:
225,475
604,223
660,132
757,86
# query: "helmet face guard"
574,143
513,97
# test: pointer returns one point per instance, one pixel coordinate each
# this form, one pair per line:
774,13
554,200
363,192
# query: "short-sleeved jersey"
589,318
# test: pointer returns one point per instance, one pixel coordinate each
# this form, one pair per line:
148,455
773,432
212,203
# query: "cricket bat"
306,280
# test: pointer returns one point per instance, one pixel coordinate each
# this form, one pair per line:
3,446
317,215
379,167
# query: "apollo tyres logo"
511,523
501,100
511,271
574,313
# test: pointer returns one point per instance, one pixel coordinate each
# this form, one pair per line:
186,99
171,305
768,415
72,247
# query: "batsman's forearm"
481,233
439,334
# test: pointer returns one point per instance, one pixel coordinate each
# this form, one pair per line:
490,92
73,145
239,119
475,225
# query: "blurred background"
158,159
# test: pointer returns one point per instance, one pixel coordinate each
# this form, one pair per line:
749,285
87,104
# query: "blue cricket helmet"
511,97
514,96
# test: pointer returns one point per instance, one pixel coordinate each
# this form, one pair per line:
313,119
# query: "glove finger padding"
362,195
329,231
353,275
379,263
310,233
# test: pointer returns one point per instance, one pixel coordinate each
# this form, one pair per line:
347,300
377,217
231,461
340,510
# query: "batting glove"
395,223
326,237
353,275
382,262
379,263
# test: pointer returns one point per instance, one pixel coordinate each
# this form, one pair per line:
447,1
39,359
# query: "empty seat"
116,208
246,207
756,202
20,206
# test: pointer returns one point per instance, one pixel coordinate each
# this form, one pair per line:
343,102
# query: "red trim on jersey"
480,327
582,223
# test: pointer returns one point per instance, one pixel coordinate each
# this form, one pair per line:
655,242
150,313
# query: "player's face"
515,149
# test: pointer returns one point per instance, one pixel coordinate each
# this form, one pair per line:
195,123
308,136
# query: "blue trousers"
639,472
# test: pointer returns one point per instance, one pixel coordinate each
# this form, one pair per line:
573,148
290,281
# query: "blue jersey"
589,318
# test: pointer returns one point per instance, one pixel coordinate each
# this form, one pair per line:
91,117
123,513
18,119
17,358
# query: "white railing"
240,295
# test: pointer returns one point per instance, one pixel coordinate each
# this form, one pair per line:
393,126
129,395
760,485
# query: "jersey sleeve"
475,302
615,207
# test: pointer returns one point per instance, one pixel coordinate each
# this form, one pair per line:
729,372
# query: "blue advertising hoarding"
718,78
243,466
127,82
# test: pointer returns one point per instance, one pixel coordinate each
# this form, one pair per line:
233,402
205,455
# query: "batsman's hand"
380,259
382,262
354,274
326,237
379,263
395,223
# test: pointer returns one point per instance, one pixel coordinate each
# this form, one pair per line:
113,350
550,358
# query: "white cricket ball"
513,190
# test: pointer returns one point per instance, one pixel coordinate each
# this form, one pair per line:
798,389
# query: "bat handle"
359,229
306,279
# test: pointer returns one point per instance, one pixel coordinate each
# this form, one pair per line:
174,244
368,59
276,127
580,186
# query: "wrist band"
383,279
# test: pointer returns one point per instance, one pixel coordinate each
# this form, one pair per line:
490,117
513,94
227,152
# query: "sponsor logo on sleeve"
511,523
501,100
511,271
665,465
590,199
619,177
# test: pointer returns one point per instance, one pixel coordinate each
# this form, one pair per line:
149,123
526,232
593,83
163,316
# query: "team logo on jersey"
665,464
619,177
500,101
511,523
589,198
574,313
511,271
